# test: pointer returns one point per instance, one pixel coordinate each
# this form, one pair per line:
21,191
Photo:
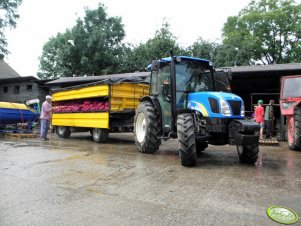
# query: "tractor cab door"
161,88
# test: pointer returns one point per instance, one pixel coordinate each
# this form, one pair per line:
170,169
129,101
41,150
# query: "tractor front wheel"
294,130
248,153
146,128
186,137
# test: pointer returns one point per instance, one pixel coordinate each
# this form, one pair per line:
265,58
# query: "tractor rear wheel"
186,137
294,130
248,153
146,128
100,135
63,131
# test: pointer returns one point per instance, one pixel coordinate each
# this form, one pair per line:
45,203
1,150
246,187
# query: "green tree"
9,15
134,58
92,47
266,31
203,49
162,43
156,47
56,58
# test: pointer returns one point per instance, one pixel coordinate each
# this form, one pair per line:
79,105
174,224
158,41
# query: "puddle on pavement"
73,157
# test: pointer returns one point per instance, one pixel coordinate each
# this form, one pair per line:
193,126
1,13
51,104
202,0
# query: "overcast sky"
190,19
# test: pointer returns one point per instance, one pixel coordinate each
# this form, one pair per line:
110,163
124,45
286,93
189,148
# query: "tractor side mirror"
155,65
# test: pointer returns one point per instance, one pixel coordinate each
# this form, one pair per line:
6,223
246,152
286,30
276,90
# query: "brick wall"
20,92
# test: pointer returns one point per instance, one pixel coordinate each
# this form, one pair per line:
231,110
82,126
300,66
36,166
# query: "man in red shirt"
259,112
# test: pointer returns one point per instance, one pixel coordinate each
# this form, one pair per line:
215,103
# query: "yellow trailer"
98,107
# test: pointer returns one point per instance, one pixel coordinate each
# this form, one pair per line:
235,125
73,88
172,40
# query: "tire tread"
186,138
151,143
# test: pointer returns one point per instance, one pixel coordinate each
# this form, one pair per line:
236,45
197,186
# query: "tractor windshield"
291,87
193,76
222,82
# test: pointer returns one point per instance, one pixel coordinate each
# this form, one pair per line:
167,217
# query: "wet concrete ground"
78,182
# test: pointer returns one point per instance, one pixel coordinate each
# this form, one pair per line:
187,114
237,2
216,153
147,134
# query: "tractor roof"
168,59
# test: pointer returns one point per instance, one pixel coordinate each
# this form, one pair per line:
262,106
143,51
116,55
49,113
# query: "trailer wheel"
248,153
63,131
294,131
146,128
200,146
186,137
100,135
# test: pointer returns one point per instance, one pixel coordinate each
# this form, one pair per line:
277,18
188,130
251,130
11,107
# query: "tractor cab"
173,80
192,83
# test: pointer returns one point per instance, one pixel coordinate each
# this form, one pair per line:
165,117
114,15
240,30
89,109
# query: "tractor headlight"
242,111
225,108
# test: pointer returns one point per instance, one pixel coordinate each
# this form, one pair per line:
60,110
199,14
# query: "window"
5,89
154,83
29,87
17,90
193,77
164,81
291,87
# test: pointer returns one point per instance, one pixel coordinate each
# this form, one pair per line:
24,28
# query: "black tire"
295,144
200,146
63,131
147,128
248,153
100,135
186,137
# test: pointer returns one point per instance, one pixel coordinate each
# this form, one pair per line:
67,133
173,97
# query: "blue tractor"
191,101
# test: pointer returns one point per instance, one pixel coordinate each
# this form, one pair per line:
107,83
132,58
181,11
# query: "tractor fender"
152,100
182,111
243,132
156,105
243,125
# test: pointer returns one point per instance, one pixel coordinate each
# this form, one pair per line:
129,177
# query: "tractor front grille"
213,105
235,106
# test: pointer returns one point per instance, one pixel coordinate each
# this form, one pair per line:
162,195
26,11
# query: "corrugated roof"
266,68
7,71
97,78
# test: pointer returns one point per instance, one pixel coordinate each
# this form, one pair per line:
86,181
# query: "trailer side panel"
89,120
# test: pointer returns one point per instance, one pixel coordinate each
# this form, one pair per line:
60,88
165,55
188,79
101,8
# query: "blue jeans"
44,128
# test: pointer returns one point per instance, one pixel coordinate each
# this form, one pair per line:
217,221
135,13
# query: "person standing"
268,119
46,113
259,112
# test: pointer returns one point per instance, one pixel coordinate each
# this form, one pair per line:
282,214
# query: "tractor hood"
216,104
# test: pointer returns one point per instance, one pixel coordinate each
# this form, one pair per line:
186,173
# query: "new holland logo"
282,215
